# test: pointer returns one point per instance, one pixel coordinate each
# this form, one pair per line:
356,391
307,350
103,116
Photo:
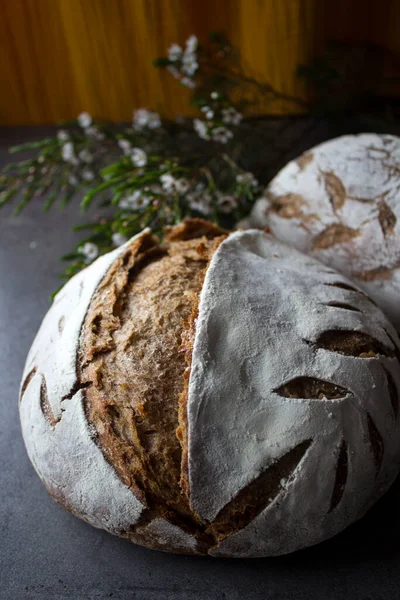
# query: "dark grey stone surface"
45,553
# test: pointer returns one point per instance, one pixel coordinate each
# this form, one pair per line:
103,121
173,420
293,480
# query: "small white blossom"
125,146
214,95
201,129
230,116
135,201
168,182
192,44
41,159
174,71
62,135
95,133
87,175
227,203
85,156
187,82
189,64
174,52
156,189
90,251
119,239
182,185
84,120
72,180
139,157
146,118
68,153
199,202
247,179
201,206
221,134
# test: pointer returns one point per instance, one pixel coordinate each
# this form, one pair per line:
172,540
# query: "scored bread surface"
218,394
340,202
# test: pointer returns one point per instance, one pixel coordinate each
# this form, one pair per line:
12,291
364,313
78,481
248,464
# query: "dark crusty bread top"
135,352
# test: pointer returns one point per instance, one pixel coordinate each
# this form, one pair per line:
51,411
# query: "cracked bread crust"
249,414
135,353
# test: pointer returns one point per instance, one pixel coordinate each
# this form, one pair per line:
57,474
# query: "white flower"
192,44
72,180
146,118
172,185
95,133
87,175
199,202
221,134
41,159
227,203
214,95
119,239
247,179
84,119
168,182
174,52
139,157
156,189
125,146
85,156
90,251
62,135
230,116
200,187
186,81
174,71
135,201
189,63
209,113
68,153
201,129
182,185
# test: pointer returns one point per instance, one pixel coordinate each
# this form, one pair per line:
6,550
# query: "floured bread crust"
132,360
221,394
340,202
293,400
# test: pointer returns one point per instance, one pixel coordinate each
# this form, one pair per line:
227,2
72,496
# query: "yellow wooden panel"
59,57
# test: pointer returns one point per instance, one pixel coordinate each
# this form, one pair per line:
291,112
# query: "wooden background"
59,57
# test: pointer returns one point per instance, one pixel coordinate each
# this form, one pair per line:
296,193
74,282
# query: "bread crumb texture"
135,353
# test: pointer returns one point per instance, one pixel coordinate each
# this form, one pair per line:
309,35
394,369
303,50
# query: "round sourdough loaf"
217,394
340,202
